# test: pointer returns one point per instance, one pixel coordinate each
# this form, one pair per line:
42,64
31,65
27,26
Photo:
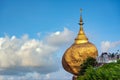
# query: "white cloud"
60,38
25,55
106,45
59,75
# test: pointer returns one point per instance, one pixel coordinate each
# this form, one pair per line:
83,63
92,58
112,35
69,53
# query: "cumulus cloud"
106,45
25,55
60,38
59,75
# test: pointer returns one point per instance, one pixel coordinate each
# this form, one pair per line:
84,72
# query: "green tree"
87,63
109,71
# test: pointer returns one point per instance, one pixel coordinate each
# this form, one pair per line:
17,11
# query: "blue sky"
101,18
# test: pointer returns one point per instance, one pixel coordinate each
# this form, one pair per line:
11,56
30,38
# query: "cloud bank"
59,75
24,55
106,45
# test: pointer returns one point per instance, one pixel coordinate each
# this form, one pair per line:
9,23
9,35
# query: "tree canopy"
110,71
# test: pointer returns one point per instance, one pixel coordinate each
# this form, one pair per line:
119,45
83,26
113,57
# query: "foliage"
89,62
118,61
109,71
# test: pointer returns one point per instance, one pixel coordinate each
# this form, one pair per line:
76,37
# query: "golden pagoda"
78,52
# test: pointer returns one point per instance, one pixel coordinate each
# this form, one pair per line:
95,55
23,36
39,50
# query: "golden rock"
78,52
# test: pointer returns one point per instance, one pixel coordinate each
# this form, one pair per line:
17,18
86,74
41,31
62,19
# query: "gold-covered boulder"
78,52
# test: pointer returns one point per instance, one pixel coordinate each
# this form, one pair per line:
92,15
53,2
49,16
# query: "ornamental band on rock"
79,51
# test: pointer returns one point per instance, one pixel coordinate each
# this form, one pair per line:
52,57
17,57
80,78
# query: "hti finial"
81,21
81,11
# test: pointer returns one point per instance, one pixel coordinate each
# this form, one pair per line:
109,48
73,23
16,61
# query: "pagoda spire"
81,38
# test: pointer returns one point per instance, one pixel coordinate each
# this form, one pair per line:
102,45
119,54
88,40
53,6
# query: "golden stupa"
79,51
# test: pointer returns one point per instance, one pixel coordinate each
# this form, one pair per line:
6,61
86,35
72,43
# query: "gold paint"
78,52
